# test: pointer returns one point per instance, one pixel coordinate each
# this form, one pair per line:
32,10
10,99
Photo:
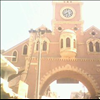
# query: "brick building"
66,52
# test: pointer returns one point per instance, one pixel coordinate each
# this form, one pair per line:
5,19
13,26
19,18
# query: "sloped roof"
15,46
43,27
92,27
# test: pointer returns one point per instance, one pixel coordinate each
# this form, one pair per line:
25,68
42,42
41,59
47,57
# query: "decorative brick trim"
71,68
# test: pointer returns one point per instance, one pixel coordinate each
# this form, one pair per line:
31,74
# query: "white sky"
18,17
65,90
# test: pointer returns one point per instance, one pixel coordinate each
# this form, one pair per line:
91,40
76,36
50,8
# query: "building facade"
66,52
7,69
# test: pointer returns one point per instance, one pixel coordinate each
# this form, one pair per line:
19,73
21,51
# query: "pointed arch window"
37,46
67,42
61,43
97,47
44,46
91,47
74,43
15,56
25,50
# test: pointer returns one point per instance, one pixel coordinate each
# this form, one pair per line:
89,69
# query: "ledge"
66,59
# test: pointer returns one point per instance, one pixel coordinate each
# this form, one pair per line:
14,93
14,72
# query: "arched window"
15,56
74,43
67,42
97,46
37,46
61,43
44,46
91,47
25,50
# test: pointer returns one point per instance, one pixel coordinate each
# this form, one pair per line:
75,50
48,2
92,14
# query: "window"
44,46
97,46
15,56
67,42
91,47
25,50
61,43
74,43
93,33
37,46
59,28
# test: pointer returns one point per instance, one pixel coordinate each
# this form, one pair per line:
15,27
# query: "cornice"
95,53
67,59
68,22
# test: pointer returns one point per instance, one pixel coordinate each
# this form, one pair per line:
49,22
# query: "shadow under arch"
71,72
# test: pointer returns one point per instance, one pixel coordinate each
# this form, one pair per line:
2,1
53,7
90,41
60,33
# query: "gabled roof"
91,28
16,46
43,27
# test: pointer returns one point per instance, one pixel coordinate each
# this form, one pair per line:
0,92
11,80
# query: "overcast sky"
18,17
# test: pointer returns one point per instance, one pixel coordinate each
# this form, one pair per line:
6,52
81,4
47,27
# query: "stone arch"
45,80
24,49
93,41
16,58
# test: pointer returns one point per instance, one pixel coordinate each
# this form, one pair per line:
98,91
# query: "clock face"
67,13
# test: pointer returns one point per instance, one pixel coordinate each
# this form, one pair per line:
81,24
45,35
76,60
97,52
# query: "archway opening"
70,89
68,73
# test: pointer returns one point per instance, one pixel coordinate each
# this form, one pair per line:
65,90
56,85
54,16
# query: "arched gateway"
72,72
66,51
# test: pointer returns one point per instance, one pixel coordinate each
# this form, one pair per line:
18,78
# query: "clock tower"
68,26
67,15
